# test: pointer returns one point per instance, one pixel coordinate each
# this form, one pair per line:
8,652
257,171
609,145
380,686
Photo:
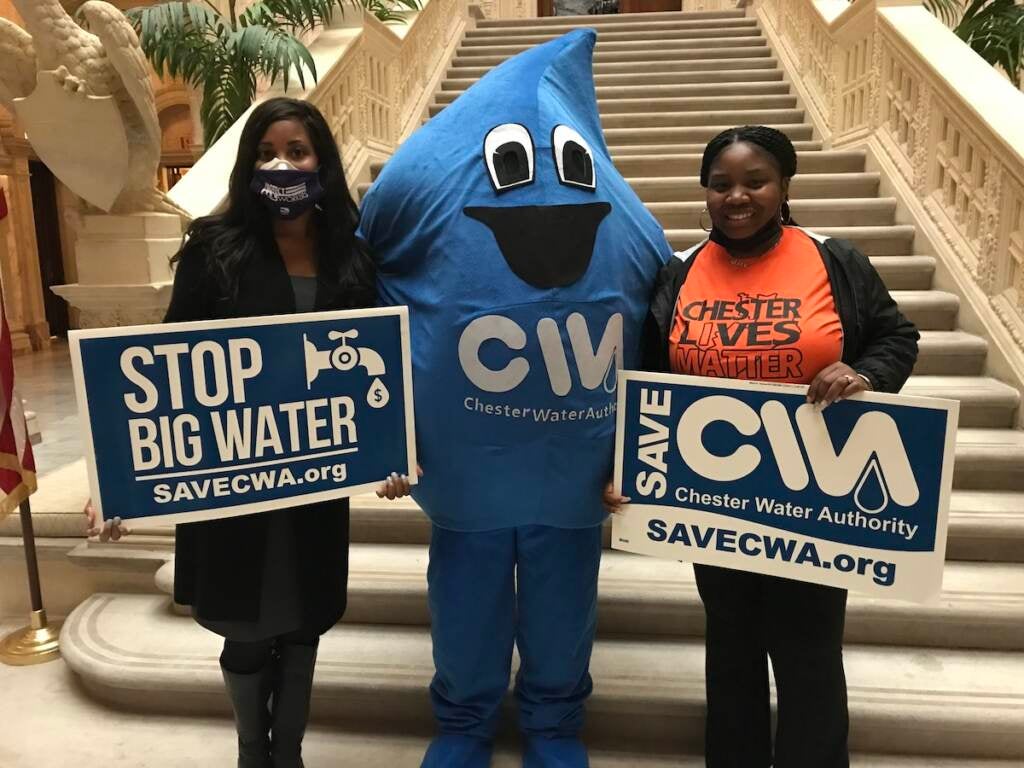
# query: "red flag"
17,464
3,204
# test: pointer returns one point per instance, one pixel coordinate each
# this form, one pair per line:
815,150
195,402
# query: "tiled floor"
44,382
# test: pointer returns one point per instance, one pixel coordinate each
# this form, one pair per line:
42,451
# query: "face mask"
764,236
287,191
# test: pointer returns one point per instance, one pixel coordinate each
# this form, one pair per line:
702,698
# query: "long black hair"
233,236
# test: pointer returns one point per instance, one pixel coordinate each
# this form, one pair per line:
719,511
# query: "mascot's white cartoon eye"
508,152
573,158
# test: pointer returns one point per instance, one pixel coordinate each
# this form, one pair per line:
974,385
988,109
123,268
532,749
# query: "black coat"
878,341
219,564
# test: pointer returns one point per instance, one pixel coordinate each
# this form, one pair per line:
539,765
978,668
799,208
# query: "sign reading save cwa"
748,475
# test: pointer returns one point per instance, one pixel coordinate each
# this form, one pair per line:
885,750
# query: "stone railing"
374,89
892,76
508,9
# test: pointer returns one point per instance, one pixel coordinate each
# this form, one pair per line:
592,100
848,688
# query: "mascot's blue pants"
534,587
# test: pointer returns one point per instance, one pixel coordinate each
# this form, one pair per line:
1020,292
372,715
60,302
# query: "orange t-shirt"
772,320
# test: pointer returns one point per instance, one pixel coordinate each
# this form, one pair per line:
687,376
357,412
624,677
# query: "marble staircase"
934,685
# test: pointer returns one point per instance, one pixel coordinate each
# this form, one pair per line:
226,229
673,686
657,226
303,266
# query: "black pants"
246,658
800,626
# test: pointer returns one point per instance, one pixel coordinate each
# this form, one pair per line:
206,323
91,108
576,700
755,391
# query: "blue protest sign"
748,475
195,421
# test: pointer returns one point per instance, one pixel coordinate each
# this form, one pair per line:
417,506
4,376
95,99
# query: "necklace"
747,261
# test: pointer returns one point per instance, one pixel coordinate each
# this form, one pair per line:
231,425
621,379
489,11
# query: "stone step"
670,189
667,84
891,240
810,212
645,166
688,165
655,119
983,525
989,526
950,353
606,35
694,147
651,73
666,49
607,94
617,26
599,21
907,273
624,137
648,692
837,186
989,460
637,59
981,605
645,106
984,402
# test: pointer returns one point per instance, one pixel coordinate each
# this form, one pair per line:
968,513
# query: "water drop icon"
871,486
378,396
611,381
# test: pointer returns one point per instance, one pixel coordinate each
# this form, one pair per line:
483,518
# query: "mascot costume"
527,263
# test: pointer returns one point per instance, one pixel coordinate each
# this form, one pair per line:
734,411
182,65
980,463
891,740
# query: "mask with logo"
287,191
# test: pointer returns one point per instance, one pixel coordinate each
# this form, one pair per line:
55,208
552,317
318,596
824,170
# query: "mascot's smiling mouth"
547,246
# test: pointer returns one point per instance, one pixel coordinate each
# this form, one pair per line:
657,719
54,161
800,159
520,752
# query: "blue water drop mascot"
527,263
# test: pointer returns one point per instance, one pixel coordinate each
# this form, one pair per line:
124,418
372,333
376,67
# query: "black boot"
250,695
293,688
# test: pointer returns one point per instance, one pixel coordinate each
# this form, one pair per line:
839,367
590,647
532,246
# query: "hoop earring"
700,221
785,215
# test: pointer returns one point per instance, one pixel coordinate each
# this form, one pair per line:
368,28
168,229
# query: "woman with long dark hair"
272,583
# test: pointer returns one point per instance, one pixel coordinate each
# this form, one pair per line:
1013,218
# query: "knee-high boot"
293,688
250,694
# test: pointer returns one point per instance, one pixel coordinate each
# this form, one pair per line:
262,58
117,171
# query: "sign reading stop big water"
203,420
750,476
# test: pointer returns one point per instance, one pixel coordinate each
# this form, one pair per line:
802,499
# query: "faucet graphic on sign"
345,358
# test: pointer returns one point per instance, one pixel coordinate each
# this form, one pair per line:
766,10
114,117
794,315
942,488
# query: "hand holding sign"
835,382
202,420
612,499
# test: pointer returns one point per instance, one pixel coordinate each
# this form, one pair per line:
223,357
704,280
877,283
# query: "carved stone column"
19,253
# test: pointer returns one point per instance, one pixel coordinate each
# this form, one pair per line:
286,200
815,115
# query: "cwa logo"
874,451
595,368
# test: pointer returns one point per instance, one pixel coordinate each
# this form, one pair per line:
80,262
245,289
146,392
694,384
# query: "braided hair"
771,140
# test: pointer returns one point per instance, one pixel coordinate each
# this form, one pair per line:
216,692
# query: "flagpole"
38,642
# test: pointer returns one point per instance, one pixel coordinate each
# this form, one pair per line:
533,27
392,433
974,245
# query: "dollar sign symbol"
378,396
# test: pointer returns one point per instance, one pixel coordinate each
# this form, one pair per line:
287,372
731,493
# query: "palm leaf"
297,14
179,38
224,59
386,10
274,53
947,10
995,30
227,93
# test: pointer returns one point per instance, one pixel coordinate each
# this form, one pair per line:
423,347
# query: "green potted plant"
223,55
993,28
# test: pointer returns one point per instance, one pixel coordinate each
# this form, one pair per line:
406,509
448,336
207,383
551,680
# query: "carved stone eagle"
86,101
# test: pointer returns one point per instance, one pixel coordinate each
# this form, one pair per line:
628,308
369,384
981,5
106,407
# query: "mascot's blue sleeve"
527,264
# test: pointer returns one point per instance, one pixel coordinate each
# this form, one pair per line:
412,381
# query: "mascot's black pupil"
510,164
579,168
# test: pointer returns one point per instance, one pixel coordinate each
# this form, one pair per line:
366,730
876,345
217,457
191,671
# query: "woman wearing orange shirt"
765,300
